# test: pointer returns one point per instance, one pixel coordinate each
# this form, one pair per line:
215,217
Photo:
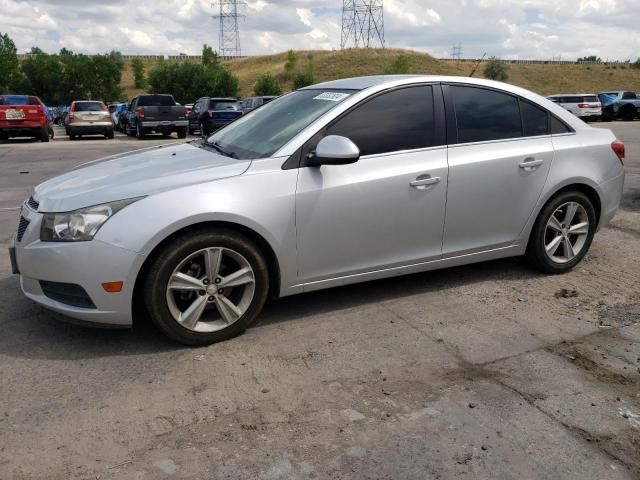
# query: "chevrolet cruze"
341,182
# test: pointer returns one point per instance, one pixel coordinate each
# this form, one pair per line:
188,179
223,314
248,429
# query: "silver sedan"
341,182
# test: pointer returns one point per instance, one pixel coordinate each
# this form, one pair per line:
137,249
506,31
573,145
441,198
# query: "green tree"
209,57
399,66
591,58
267,85
291,63
139,79
188,81
302,80
9,67
496,69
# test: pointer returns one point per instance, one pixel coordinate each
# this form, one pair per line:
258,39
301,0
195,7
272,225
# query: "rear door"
498,166
387,209
160,108
90,112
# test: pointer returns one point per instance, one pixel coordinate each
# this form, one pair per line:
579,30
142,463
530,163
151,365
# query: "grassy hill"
327,65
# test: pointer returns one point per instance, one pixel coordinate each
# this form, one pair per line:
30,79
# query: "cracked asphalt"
484,371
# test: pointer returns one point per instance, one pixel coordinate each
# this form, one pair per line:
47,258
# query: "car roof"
231,99
573,95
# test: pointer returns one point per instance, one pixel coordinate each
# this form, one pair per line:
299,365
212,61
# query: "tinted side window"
398,120
556,126
534,119
629,96
483,114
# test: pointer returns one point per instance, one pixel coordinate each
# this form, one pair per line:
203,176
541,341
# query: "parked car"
211,113
155,114
24,116
341,182
251,103
88,117
121,108
619,105
585,106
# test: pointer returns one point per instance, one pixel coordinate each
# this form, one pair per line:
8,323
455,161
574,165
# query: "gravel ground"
485,371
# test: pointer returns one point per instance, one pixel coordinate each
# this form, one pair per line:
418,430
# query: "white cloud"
525,29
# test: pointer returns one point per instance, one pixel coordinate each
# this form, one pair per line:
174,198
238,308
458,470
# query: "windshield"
17,100
156,101
88,107
262,132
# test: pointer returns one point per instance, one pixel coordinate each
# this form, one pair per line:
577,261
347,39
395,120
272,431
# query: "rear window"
572,100
17,100
591,99
156,101
224,105
88,107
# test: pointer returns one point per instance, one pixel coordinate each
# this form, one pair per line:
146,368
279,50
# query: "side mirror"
334,150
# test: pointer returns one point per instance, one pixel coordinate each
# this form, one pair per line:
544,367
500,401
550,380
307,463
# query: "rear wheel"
563,233
139,132
182,133
628,113
44,134
206,286
109,134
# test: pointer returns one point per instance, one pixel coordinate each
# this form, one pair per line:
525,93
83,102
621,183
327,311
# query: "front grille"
67,293
22,227
33,204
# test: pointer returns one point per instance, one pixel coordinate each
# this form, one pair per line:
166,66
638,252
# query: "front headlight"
80,225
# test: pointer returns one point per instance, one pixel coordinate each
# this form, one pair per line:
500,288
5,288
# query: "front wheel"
206,286
182,132
563,233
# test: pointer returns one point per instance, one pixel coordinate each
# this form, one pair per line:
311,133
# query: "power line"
229,33
362,24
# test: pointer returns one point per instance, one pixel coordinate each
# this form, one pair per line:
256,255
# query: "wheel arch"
579,185
137,303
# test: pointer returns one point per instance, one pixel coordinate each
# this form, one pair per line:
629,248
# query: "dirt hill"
327,65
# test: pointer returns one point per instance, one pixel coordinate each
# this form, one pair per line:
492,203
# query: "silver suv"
585,106
341,182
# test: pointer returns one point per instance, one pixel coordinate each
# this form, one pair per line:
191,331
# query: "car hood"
135,174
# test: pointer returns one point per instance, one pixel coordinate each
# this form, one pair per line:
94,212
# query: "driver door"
387,209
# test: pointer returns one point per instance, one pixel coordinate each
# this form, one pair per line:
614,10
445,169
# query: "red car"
23,116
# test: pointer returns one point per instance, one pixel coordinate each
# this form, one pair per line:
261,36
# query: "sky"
510,29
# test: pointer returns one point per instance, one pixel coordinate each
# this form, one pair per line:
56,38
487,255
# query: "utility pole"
229,33
362,24
456,52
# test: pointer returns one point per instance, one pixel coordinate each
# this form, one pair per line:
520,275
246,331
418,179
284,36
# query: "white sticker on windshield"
331,96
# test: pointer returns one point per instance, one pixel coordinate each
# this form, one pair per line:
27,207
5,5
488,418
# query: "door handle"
531,163
424,181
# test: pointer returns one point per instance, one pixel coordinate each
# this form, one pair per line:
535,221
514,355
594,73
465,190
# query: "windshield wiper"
216,146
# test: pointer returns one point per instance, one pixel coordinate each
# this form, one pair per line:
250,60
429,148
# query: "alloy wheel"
566,232
210,289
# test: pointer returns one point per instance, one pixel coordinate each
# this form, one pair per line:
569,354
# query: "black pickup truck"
156,114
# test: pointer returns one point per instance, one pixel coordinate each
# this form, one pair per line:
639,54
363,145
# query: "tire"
182,132
139,132
72,136
543,235
109,134
44,134
163,305
627,114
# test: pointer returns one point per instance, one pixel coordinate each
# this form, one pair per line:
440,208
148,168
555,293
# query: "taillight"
105,108
141,112
583,105
210,113
70,118
185,112
618,148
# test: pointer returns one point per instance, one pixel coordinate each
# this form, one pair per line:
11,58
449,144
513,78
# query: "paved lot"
486,371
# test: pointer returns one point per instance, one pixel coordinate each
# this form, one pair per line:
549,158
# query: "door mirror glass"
334,150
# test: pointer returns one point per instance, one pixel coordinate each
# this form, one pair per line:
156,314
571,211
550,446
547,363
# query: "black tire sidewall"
176,251
536,248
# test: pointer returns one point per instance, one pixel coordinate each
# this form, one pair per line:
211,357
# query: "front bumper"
87,264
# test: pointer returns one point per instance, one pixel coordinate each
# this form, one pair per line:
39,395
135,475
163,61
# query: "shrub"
400,66
267,85
303,80
496,69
